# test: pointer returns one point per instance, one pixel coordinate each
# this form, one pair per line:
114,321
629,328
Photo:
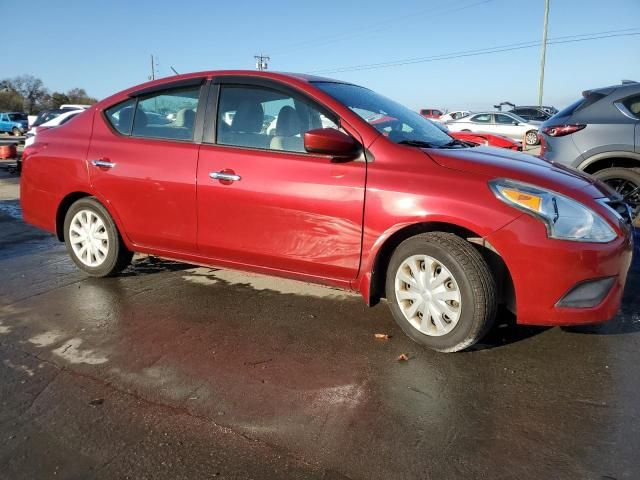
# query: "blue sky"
104,46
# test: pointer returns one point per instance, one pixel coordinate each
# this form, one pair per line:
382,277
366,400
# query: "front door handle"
225,176
103,163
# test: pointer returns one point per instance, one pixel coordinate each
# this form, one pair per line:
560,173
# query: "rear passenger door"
262,199
143,159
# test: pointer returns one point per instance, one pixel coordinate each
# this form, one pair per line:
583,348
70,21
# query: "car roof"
272,75
630,87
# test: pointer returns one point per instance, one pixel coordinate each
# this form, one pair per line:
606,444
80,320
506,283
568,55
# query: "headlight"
566,219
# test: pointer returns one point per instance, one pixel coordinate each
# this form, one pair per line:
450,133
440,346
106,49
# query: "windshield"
394,121
15,117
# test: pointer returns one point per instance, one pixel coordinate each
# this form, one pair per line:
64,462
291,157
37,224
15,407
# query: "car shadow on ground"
148,265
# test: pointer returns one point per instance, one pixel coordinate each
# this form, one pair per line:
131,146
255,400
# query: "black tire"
117,257
623,180
16,132
476,284
532,138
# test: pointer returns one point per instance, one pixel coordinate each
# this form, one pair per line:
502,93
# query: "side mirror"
329,141
516,123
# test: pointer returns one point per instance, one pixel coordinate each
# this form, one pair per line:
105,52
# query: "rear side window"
583,103
120,116
170,114
482,118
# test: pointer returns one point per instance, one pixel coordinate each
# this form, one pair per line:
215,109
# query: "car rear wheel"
93,240
625,181
531,138
441,291
16,132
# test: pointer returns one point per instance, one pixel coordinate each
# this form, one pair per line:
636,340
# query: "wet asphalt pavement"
175,371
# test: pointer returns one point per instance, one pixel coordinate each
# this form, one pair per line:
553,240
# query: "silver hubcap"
89,238
532,138
428,295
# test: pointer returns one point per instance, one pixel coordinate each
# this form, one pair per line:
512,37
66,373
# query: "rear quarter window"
120,116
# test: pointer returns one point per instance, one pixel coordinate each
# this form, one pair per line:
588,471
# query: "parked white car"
59,120
454,115
500,123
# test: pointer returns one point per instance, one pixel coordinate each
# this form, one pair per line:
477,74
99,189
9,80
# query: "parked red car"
431,113
481,138
488,139
189,168
387,124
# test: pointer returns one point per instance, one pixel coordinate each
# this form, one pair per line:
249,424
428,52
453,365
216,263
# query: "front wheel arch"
378,274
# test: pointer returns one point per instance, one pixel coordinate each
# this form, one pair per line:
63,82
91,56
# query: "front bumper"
544,270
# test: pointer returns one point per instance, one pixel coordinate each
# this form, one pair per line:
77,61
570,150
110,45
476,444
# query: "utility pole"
153,69
544,51
262,62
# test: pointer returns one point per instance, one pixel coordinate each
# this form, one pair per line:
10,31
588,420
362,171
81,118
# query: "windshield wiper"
418,143
455,142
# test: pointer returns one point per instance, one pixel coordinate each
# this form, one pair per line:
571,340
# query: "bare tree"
31,89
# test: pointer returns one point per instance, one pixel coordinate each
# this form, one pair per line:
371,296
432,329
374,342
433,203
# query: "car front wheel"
16,132
531,138
93,240
441,291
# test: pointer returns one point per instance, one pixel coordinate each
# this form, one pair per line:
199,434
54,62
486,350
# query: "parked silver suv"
600,134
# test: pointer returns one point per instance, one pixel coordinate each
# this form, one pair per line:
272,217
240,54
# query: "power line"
482,51
319,41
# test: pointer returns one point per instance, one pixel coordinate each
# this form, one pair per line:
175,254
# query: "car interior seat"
288,132
246,127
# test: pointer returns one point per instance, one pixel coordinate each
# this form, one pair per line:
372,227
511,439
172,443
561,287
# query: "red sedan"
488,139
191,168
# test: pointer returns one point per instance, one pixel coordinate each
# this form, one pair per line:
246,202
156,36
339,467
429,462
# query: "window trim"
185,83
213,104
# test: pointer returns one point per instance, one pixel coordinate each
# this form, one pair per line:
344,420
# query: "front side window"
398,123
256,117
170,114
16,117
482,118
504,119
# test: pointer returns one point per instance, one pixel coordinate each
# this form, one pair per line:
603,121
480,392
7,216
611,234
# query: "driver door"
263,200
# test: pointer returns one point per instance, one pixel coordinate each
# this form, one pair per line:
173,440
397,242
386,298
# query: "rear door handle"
225,176
102,163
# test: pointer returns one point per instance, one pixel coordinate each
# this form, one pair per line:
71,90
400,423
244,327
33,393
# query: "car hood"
502,163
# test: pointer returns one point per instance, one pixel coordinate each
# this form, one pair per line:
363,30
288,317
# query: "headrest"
248,118
288,123
140,119
185,118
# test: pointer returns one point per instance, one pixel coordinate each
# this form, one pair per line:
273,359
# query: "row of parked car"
21,124
498,129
